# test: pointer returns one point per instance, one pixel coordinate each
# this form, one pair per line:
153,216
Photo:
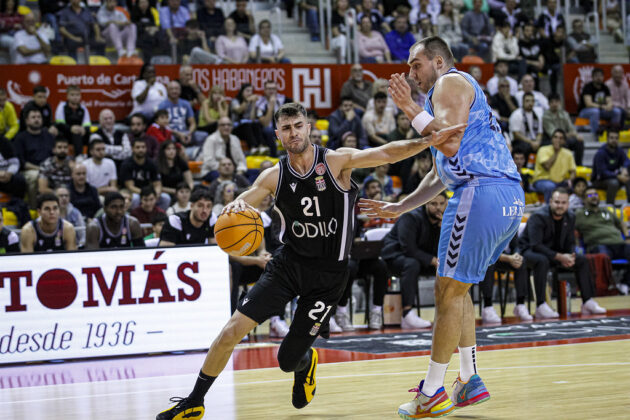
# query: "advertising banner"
578,75
110,303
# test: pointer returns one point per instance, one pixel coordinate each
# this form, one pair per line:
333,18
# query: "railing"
595,15
352,48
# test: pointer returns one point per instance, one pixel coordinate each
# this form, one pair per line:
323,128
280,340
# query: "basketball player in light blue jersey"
481,217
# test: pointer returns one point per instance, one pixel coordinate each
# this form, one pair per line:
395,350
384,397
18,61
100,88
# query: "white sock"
467,362
435,378
377,309
342,309
273,319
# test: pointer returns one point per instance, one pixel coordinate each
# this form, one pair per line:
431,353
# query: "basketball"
240,233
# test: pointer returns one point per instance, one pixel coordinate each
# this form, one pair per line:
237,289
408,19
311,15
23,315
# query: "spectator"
553,50
10,22
511,14
73,119
79,28
222,144
147,93
147,209
193,226
232,48
421,166
70,213
531,51
117,29
100,170
603,232
9,124
48,11
227,173
32,147
211,18
265,47
428,11
244,19
526,126
82,195
548,241
266,106
596,103
138,172
504,103
556,118
477,30
31,44
117,144
181,116
540,100
173,18
610,168
448,25
377,23
160,128
147,29
190,90
182,199
382,85
357,88
225,193
312,18
9,240
157,224
213,108
137,127
501,72
582,46
345,119
39,101
114,228
56,170
173,169
49,232
193,46
549,20
619,91
372,46
505,47
520,160
339,30
400,39
576,200
554,165
247,128
316,137
378,123
410,249
380,174
11,181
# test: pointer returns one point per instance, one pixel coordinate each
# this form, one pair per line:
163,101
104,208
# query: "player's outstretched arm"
264,185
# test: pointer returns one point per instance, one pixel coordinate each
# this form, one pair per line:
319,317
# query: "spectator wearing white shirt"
182,199
501,72
31,45
101,171
505,47
378,123
266,47
220,144
540,100
117,28
147,93
117,144
526,126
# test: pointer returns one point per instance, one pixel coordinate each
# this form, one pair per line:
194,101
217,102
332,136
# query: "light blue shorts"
481,218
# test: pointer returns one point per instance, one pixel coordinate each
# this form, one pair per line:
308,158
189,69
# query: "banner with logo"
578,75
316,86
110,303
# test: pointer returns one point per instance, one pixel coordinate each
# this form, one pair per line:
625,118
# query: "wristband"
421,121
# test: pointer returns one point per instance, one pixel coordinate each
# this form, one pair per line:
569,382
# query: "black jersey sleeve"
172,230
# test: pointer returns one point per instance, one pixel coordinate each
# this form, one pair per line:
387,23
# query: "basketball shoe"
304,384
423,406
470,393
184,409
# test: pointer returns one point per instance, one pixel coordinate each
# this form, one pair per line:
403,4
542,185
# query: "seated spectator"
403,131
576,200
138,130
48,11
247,127
582,46
31,44
100,170
556,118
225,193
227,172
380,174
477,30
11,181
549,20
56,170
194,226
509,12
182,199
215,107
73,119
266,106
344,120
520,160
173,18
610,167
10,22
9,240
504,103
505,47
554,166
114,228
181,116
422,165
378,123
531,50
9,124
49,232
211,19
68,212
190,90
477,74
357,88
173,169
160,128
117,29
400,39
117,144
382,85
316,137
244,20
147,93
596,103
448,26
501,72
147,209
427,11
372,46
157,224
265,47
548,241
147,29
602,231
410,249
40,102
32,147
377,23
339,30
312,18
79,29
193,47
540,100
526,127
138,172
619,91
231,47
222,144
82,195
553,50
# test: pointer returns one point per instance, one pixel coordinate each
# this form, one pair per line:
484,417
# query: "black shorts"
286,277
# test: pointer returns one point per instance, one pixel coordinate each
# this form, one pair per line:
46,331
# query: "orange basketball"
240,233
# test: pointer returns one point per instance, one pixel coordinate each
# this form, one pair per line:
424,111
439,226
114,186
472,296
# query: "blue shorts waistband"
487,181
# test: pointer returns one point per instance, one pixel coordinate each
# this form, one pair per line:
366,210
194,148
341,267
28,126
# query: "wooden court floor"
574,381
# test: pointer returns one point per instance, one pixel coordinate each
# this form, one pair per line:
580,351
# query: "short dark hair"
182,186
61,140
561,131
147,190
160,113
555,96
345,98
201,194
112,196
73,87
612,130
518,152
291,109
158,218
371,181
138,140
380,95
96,140
560,190
528,94
434,45
42,198
31,110
597,70
579,179
142,117
39,89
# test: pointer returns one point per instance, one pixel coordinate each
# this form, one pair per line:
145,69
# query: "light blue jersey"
483,152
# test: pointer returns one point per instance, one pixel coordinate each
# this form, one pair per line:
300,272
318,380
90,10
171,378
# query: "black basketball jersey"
106,239
317,215
9,241
180,231
48,242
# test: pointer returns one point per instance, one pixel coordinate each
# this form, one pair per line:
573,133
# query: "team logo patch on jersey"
320,169
320,182
293,185
315,329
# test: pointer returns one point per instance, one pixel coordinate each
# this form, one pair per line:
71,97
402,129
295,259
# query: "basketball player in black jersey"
114,228
49,232
315,199
193,226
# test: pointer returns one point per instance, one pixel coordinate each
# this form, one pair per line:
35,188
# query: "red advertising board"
315,86
578,75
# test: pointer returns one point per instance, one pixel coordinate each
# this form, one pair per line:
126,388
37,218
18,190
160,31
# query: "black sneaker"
304,383
185,409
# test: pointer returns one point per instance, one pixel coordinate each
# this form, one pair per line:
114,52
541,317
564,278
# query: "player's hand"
374,208
445,134
516,260
238,206
399,90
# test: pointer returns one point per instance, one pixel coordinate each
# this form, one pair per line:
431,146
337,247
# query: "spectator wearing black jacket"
610,167
39,101
343,120
11,181
83,196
